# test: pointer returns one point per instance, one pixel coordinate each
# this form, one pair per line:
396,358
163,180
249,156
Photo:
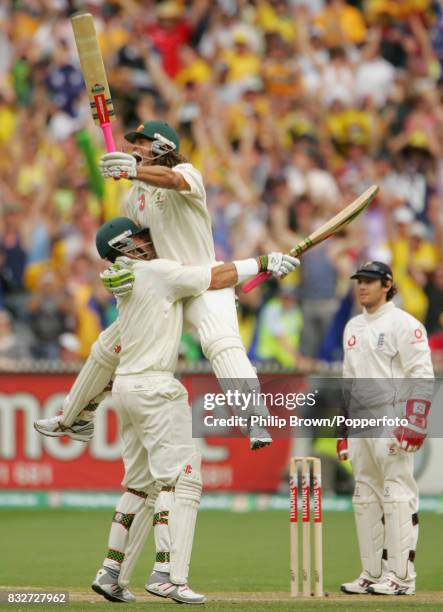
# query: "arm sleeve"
196,192
413,349
187,281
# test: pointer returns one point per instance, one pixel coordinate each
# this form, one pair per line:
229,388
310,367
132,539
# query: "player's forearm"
223,276
161,176
232,273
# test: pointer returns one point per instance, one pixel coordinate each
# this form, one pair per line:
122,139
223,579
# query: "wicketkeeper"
386,344
155,418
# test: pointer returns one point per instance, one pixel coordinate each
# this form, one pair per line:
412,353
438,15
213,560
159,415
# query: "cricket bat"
328,229
94,74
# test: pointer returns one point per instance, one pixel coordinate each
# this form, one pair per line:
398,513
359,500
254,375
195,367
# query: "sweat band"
246,268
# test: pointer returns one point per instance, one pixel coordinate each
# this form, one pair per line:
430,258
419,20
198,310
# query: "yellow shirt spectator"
272,21
341,23
421,254
198,72
240,61
8,123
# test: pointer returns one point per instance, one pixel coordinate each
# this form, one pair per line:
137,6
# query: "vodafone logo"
351,341
141,202
188,469
419,336
117,348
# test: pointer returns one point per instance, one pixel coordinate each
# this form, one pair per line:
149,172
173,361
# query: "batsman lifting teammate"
386,344
155,418
167,196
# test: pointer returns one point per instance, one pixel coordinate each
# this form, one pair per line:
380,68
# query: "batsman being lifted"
155,418
169,198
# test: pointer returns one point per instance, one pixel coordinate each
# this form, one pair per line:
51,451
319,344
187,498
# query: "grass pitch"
239,560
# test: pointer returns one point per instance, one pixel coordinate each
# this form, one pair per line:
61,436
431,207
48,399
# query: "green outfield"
241,559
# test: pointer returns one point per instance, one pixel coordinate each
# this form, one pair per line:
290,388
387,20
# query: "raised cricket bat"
94,75
328,229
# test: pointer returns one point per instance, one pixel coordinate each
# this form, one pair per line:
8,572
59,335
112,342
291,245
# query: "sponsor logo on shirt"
188,469
351,341
419,336
160,200
141,202
381,341
117,348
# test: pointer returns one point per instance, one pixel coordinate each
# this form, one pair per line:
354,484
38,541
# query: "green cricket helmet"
164,137
114,237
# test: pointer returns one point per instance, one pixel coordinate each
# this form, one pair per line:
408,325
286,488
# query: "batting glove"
279,264
342,449
411,437
118,165
119,281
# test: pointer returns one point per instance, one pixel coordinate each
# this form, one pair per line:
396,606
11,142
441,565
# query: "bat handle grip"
254,282
109,138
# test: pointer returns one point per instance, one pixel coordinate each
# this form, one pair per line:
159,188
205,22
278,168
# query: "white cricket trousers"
156,428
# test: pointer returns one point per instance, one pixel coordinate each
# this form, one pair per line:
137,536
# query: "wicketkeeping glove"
119,281
279,264
411,437
118,165
342,449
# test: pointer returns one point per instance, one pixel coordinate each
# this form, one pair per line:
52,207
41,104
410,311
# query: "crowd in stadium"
290,109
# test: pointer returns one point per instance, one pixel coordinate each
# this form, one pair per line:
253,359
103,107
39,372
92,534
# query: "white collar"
385,309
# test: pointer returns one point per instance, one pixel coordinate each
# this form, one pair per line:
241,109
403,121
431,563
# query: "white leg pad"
368,512
94,375
401,530
223,347
127,508
182,519
138,533
163,507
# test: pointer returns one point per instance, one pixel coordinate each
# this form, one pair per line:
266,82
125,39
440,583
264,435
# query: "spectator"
50,315
339,22
12,345
280,326
289,108
69,348
13,261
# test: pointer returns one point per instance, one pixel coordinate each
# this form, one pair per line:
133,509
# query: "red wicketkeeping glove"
410,437
342,449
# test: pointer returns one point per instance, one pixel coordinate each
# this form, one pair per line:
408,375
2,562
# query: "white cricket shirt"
388,344
179,221
151,316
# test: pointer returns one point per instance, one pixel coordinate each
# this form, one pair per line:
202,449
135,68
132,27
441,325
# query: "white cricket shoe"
391,585
158,584
360,586
53,427
105,584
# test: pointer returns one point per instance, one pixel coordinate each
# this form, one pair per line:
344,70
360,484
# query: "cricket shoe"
259,437
360,586
391,585
158,584
105,584
53,427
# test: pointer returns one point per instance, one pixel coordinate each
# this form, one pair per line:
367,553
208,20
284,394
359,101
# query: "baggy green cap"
111,229
150,128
